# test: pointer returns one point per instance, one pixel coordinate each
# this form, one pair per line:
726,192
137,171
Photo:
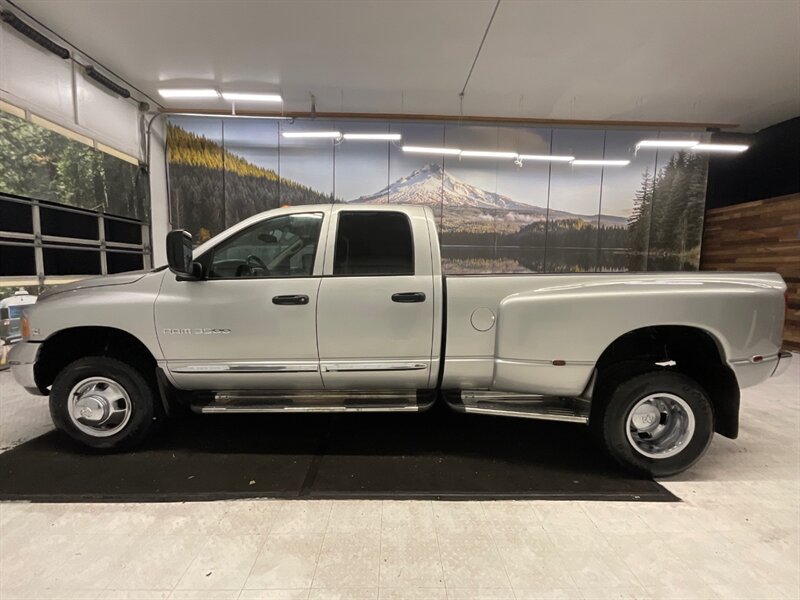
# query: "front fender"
126,307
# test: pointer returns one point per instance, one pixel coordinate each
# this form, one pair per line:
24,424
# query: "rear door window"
373,243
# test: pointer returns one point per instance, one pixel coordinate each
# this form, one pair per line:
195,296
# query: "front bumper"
784,360
22,360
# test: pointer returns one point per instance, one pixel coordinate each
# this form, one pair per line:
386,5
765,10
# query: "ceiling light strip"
729,148
247,97
312,134
667,143
487,154
373,136
188,93
431,150
546,157
183,113
600,163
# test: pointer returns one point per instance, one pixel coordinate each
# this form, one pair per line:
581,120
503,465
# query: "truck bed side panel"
574,318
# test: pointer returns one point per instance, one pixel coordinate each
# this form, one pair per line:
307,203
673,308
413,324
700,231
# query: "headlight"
25,328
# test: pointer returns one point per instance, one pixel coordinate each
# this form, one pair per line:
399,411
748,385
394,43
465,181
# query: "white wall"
159,205
56,89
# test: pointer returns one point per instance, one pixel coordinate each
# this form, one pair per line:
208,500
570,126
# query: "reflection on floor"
736,535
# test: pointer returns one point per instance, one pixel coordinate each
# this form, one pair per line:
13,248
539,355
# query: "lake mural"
495,215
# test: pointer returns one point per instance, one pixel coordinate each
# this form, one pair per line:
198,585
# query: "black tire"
617,399
145,407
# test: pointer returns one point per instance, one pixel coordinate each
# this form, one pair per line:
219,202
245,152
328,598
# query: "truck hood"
93,282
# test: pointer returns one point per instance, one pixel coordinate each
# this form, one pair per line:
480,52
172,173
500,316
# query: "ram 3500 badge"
344,308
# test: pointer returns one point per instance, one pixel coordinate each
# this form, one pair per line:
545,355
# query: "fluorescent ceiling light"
733,148
667,143
241,97
547,157
488,154
312,134
601,163
219,116
429,150
372,136
189,93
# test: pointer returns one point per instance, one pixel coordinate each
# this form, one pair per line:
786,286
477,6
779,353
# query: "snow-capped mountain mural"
546,219
436,187
433,186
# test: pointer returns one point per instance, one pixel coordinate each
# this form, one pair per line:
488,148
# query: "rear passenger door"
376,307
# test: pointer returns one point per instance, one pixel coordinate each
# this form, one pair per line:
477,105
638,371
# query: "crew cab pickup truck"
345,308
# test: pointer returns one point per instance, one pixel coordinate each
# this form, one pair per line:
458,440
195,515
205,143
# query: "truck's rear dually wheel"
103,403
657,423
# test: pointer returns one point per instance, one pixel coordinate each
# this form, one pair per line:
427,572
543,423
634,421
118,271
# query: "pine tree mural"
665,228
211,188
639,224
40,163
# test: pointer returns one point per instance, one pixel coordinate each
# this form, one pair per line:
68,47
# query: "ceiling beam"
458,118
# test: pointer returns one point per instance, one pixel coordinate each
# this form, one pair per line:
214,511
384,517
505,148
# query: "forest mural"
42,164
667,216
494,216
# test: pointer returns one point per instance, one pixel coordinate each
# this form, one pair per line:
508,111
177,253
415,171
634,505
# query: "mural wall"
40,163
496,215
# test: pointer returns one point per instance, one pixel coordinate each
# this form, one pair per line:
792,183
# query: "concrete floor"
735,535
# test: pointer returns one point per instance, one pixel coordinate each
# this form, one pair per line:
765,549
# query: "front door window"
283,246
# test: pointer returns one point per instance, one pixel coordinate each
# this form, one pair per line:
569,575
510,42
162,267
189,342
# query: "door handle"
406,297
290,299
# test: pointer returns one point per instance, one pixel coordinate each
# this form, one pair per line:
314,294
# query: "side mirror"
179,254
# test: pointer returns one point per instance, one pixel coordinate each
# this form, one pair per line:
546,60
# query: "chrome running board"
526,406
314,401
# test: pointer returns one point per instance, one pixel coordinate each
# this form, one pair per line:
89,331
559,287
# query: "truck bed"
515,332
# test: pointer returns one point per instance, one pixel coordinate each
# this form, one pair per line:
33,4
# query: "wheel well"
694,352
69,345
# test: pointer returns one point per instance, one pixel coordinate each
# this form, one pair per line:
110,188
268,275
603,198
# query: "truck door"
375,312
251,323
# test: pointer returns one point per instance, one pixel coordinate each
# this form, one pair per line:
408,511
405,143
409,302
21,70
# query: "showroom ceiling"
712,62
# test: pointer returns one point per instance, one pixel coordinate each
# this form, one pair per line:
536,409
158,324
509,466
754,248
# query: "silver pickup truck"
345,308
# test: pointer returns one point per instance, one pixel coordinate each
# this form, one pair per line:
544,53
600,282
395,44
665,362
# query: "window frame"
207,258
374,212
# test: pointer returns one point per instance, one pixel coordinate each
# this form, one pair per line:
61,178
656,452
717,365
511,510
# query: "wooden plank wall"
763,235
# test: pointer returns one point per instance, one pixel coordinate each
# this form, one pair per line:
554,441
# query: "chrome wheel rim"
99,406
660,425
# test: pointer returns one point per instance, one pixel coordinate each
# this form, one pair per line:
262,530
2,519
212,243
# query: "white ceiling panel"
706,61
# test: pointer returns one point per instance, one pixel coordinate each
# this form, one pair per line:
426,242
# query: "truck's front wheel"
657,423
103,403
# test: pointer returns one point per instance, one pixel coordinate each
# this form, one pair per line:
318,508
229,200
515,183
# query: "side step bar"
314,401
527,406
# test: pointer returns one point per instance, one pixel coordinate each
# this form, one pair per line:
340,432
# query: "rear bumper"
22,360
784,360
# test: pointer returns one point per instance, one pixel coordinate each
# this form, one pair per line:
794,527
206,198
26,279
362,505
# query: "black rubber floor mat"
438,454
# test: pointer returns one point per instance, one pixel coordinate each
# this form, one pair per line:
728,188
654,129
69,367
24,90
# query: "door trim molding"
245,367
373,366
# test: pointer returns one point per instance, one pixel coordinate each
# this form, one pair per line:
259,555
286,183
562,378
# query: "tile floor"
735,535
